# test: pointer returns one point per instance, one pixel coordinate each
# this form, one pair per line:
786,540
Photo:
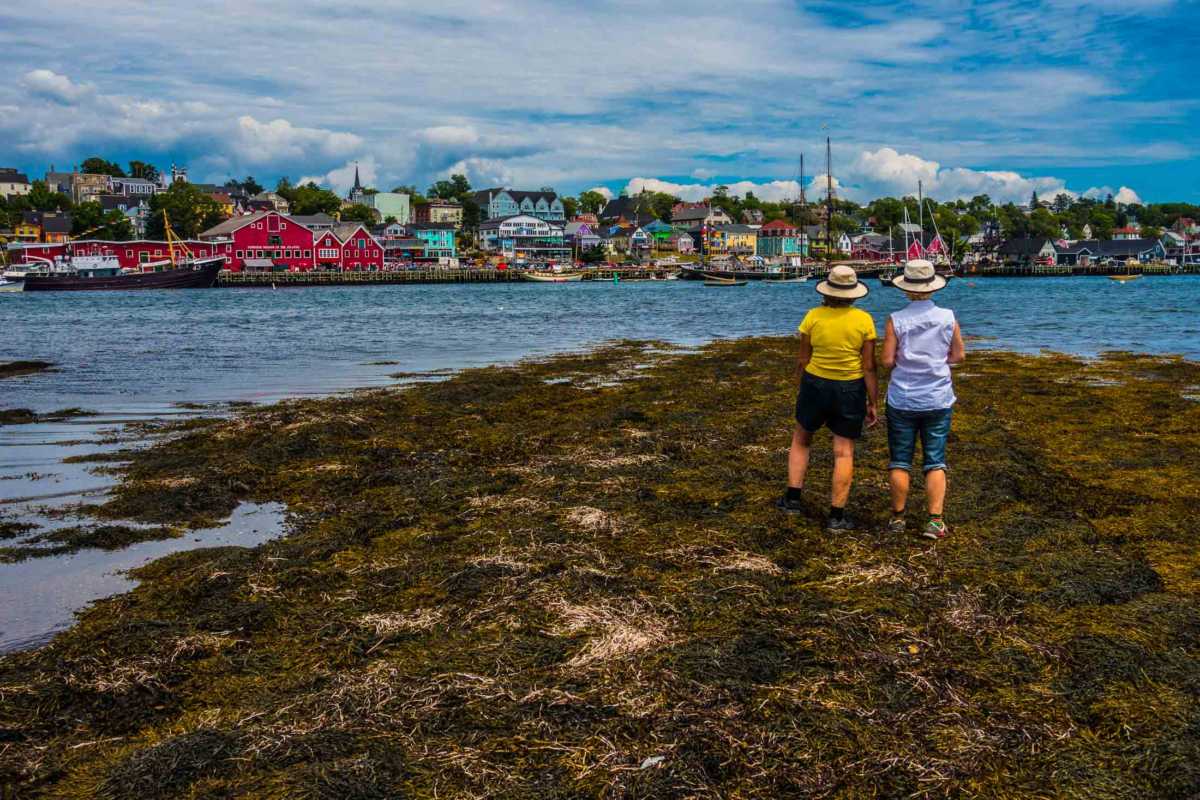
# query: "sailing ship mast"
828,204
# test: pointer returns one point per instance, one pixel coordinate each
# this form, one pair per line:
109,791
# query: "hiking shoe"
897,525
935,529
789,506
839,525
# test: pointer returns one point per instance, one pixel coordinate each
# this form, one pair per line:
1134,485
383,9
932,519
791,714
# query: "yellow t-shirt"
837,336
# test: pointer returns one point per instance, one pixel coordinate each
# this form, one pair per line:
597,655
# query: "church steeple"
357,183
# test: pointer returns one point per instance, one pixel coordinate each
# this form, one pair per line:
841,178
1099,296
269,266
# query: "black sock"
793,492
899,513
836,513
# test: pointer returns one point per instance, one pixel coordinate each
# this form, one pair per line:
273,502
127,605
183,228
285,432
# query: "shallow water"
134,356
40,595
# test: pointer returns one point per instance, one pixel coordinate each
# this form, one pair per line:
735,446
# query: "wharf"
1071,270
281,280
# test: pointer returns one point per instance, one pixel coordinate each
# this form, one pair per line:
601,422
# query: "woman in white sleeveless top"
921,342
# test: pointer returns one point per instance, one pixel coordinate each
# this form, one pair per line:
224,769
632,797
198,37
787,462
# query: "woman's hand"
872,415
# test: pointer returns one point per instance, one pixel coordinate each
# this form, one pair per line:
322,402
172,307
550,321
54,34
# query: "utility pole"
828,204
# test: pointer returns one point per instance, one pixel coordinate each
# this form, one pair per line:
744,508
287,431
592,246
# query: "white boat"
551,277
10,286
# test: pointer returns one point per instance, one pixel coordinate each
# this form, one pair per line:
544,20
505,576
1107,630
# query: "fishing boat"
182,270
551,277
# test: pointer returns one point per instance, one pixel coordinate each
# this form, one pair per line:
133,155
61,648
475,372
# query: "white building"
523,236
13,182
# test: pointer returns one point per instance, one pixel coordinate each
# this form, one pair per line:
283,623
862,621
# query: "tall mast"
920,221
828,202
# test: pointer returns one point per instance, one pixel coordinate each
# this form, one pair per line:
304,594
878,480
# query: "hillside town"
104,209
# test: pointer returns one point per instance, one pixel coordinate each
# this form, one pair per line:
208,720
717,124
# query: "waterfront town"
100,208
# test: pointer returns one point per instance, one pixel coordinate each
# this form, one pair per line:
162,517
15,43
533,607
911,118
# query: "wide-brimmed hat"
919,276
842,282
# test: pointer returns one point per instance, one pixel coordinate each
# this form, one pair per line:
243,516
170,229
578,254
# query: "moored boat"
551,277
195,273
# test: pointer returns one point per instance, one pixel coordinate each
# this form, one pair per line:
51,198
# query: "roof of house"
1112,248
693,213
573,228
10,175
345,230
483,196
53,223
1024,246
232,224
735,228
781,225
314,220
431,226
135,181
627,206
498,221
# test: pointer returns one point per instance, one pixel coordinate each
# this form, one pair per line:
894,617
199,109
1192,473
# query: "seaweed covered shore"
566,579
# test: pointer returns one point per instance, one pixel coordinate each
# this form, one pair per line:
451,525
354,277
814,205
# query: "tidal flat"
566,578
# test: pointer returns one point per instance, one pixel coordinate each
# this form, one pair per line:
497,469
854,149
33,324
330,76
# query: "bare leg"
935,490
843,470
899,480
798,457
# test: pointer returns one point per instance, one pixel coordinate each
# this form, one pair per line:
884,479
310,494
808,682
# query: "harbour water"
137,356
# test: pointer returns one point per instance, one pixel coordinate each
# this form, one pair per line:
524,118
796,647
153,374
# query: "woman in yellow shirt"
838,389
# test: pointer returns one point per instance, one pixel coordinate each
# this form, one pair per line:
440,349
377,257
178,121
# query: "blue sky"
1088,96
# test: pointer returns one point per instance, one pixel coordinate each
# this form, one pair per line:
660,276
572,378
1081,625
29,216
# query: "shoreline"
564,577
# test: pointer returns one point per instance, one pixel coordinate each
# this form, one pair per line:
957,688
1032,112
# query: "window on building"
239,253
273,223
308,253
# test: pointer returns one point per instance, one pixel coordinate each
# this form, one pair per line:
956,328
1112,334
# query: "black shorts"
841,405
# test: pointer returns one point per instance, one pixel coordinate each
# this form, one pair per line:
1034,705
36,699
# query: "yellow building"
27,230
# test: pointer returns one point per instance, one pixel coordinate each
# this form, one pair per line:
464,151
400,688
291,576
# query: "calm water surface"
139,355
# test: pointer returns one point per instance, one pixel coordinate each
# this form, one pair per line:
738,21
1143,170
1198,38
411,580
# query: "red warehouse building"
349,246
129,254
264,236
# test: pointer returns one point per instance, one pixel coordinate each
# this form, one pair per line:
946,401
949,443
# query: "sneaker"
935,529
839,525
789,506
897,525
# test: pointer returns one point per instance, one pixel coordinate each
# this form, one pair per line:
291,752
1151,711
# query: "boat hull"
566,277
203,276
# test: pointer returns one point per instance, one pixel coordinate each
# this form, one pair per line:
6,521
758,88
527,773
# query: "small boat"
551,277
1128,274
886,280
801,279
717,281
10,286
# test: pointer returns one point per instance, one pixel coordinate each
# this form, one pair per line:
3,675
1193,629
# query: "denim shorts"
903,428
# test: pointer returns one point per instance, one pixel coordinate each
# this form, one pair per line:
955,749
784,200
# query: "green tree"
591,201
1151,232
140,169
250,186
312,199
452,189
91,220
189,210
359,213
40,198
1013,223
1062,203
98,166
1033,201
471,214
1102,220
661,204
1042,222
570,206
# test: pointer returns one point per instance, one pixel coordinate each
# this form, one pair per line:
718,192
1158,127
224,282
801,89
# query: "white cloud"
1122,195
265,142
46,83
604,190
770,190
888,172
341,179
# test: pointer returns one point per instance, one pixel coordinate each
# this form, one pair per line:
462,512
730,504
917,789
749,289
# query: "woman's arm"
805,355
872,381
889,346
958,350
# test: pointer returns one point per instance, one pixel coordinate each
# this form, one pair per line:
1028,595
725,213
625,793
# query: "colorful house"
437,238
580,236
523,236
728,239
780,239
501,204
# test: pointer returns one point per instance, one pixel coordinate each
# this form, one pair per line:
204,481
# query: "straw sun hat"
919,276
842,282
